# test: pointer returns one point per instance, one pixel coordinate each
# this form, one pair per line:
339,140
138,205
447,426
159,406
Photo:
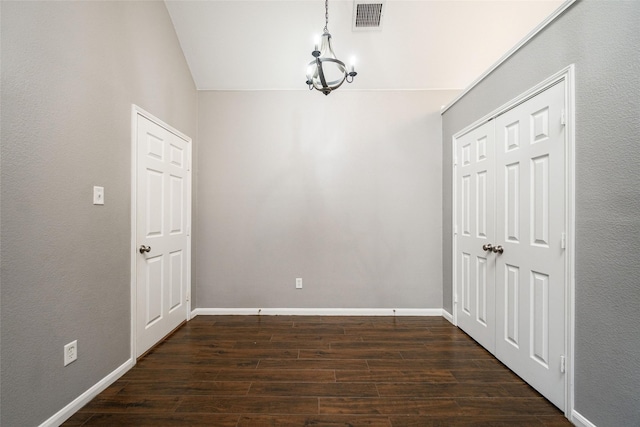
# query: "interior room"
293,203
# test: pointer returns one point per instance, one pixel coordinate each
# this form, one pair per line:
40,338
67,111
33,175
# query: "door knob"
144,249
498,249
488,247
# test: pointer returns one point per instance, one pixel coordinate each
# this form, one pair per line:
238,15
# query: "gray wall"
70,72
602,39
343,191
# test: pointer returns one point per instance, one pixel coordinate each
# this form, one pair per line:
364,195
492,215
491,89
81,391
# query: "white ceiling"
423,44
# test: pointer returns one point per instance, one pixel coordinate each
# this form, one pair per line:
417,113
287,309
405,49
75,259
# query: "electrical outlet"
98,195
299,283
70,352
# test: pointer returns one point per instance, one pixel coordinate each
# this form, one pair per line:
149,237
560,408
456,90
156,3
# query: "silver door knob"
488,247
498,249
144,249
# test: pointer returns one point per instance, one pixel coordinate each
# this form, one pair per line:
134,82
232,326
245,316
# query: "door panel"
540,201
176,205
152,297
475,221
154,206
539,318
512,203
530,275
176,285
481,290
511,306
161,224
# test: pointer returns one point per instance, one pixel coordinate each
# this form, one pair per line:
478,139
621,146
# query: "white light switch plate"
98,195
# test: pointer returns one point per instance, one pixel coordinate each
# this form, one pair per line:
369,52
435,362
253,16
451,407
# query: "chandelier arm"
320,81
331,86
335,84
321,73
341,65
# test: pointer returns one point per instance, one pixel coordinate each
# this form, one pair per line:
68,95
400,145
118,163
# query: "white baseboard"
579,420
447,316
65,413
317,311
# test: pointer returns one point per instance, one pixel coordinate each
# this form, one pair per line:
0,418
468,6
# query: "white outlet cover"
299,283
70,352
98,195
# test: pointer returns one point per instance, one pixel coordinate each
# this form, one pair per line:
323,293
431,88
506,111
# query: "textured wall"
70,72
603,40
343,191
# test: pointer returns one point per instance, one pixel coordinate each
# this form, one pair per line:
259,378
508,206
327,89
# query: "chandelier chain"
326,15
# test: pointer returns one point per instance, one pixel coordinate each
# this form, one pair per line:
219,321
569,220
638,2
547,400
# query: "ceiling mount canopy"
326,72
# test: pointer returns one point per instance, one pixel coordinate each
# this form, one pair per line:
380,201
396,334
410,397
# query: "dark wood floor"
319,371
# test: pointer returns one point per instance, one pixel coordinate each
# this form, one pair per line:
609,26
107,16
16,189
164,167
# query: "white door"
510,219
163,202
530,214
475,223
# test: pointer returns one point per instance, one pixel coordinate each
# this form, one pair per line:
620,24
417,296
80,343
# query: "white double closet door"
510,239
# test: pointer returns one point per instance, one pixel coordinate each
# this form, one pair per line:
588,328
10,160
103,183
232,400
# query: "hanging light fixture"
326,73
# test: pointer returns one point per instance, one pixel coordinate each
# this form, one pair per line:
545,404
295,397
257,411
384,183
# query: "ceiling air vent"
367,15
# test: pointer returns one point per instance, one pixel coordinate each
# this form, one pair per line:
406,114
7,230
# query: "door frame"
136,112
568,76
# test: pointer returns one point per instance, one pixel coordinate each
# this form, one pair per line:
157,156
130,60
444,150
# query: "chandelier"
326,73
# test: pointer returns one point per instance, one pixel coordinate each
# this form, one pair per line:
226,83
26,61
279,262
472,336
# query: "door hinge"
563,241
563,118
455,299
455,229
563,364
188,231
455,160
188,297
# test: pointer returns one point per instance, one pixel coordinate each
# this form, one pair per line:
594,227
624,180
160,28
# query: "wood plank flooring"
319,371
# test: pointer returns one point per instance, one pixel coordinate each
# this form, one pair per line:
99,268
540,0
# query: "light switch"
98,195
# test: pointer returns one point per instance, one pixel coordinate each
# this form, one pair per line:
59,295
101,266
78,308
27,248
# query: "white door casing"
161,243
534,225
475,221
530,216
